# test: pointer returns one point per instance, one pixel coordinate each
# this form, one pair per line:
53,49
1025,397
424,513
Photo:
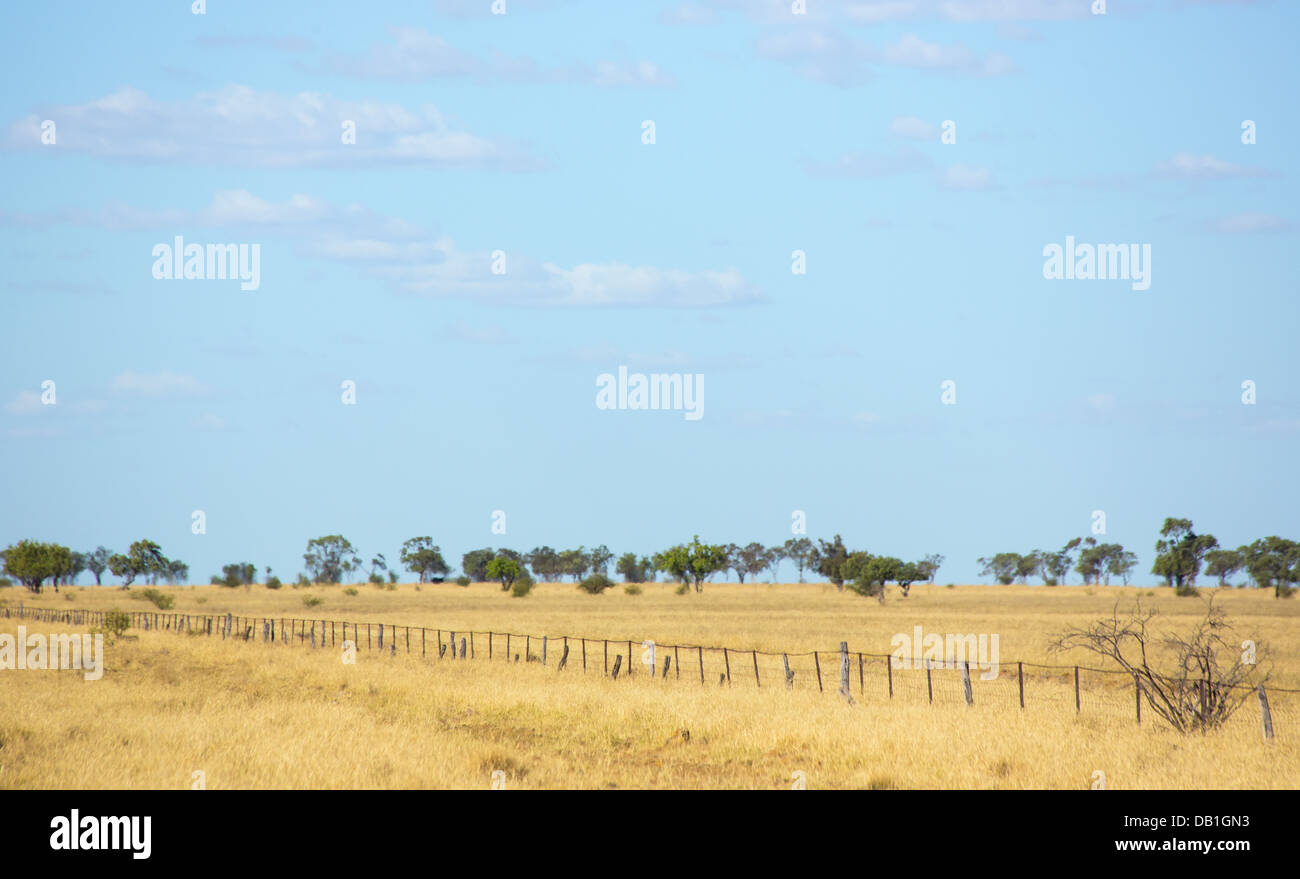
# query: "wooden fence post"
889,670
844,666
965,682
544,639
757,682
789,675
629,657
607,656
528,648
727,660
584,654
453,645
817,662
677,663
489,645
618,661
462,648
1076,689
1020,679
862,687
1265,714
381,636
700,651
564,658
929,684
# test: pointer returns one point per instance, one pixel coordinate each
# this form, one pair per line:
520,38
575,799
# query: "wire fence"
873,678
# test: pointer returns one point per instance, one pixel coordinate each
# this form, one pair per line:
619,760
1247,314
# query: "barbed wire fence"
873,678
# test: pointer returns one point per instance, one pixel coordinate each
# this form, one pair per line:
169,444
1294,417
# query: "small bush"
273,583
522,586
1185,591
202,599
632,589
302,580
116,622
682,589
462,580
312,600
351,590
68,596
595,584
377,578
160,599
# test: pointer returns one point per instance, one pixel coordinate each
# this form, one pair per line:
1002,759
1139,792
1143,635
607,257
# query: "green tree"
692,563
97,562
634,570
505,569
1223,563
32,563
1275,562
329,559
599,559
828,560
1121,564
798,550
545,563
1003,567
474,563
1179,553
575,562
421,556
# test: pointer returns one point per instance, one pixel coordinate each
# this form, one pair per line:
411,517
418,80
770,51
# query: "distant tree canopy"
237,574
692,563
421,556
329,559
828,560
32,563
1180,552
634,570
144,559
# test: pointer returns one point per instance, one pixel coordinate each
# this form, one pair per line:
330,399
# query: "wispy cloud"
1189,166
158,384
416,55
238,125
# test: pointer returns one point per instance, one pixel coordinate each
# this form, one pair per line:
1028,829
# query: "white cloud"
1189,165
415,55
26,403
237,125
1249,223
912,128
967,178
159,384
912,51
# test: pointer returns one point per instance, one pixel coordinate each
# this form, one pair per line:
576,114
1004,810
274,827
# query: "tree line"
1181,556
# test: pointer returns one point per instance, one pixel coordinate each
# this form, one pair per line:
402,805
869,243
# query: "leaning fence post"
618,662
1265,714
965,682
789,675
817,662
677,661
727,660
564,658
757,682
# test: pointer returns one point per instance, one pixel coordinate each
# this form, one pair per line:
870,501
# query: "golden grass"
252,715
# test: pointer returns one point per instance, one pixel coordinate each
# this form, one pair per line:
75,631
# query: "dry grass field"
255,715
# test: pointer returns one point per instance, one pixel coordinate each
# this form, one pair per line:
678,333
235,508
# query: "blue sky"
522,132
